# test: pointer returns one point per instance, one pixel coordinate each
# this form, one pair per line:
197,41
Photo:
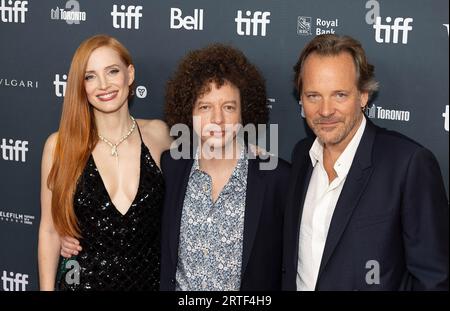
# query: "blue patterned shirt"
211,234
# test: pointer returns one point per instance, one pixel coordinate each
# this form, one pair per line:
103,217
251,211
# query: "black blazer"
263,222
393,209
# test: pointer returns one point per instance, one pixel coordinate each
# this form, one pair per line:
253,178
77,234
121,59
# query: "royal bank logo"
193,22
16,218
127,16
378,112
141,91
445,115
72,16
60,83
306,25
14,281
6,82
13,11
14,150
253,24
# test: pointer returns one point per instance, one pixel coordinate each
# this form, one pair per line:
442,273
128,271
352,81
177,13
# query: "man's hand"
259,151
69,247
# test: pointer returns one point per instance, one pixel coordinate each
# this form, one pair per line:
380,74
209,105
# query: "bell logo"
60,86
189,22
14,150
121,18
15,282
400,25
247,26
13,13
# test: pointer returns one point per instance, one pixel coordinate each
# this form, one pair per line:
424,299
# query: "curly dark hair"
216,63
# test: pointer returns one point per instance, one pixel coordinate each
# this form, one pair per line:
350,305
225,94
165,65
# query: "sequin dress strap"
139,131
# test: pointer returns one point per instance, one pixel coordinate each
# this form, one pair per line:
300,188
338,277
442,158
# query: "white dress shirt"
318,209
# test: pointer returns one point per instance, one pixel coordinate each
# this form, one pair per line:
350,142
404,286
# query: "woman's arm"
156,136
49,243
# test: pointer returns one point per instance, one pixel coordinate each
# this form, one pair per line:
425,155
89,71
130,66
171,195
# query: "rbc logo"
189,22
251,24
60,86
400,25
17,282
304,25
10,13
132,13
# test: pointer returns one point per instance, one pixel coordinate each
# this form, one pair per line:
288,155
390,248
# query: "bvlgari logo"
14,82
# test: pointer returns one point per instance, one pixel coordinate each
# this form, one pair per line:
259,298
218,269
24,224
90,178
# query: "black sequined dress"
120,252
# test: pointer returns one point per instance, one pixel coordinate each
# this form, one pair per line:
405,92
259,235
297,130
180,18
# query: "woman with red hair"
101,182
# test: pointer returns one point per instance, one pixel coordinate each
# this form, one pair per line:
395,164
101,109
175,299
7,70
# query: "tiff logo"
60,86
10,13
73,16
387,114
132,13
400,25
445,115
14,150
189,22
247,26
17,282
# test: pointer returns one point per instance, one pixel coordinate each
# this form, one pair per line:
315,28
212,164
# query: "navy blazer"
393,209
263,222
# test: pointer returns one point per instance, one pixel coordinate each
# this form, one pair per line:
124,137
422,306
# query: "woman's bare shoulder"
156,132
50,144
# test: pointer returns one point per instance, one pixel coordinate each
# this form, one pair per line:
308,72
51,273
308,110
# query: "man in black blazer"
222,221
367,208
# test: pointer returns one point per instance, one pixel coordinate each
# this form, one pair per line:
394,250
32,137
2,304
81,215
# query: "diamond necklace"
114,152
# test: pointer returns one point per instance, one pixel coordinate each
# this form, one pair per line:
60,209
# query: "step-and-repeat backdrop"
406,40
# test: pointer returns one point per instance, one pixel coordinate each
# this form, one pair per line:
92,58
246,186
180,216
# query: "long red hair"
77,135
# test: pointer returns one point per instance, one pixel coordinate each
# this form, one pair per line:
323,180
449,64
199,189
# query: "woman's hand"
69,247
